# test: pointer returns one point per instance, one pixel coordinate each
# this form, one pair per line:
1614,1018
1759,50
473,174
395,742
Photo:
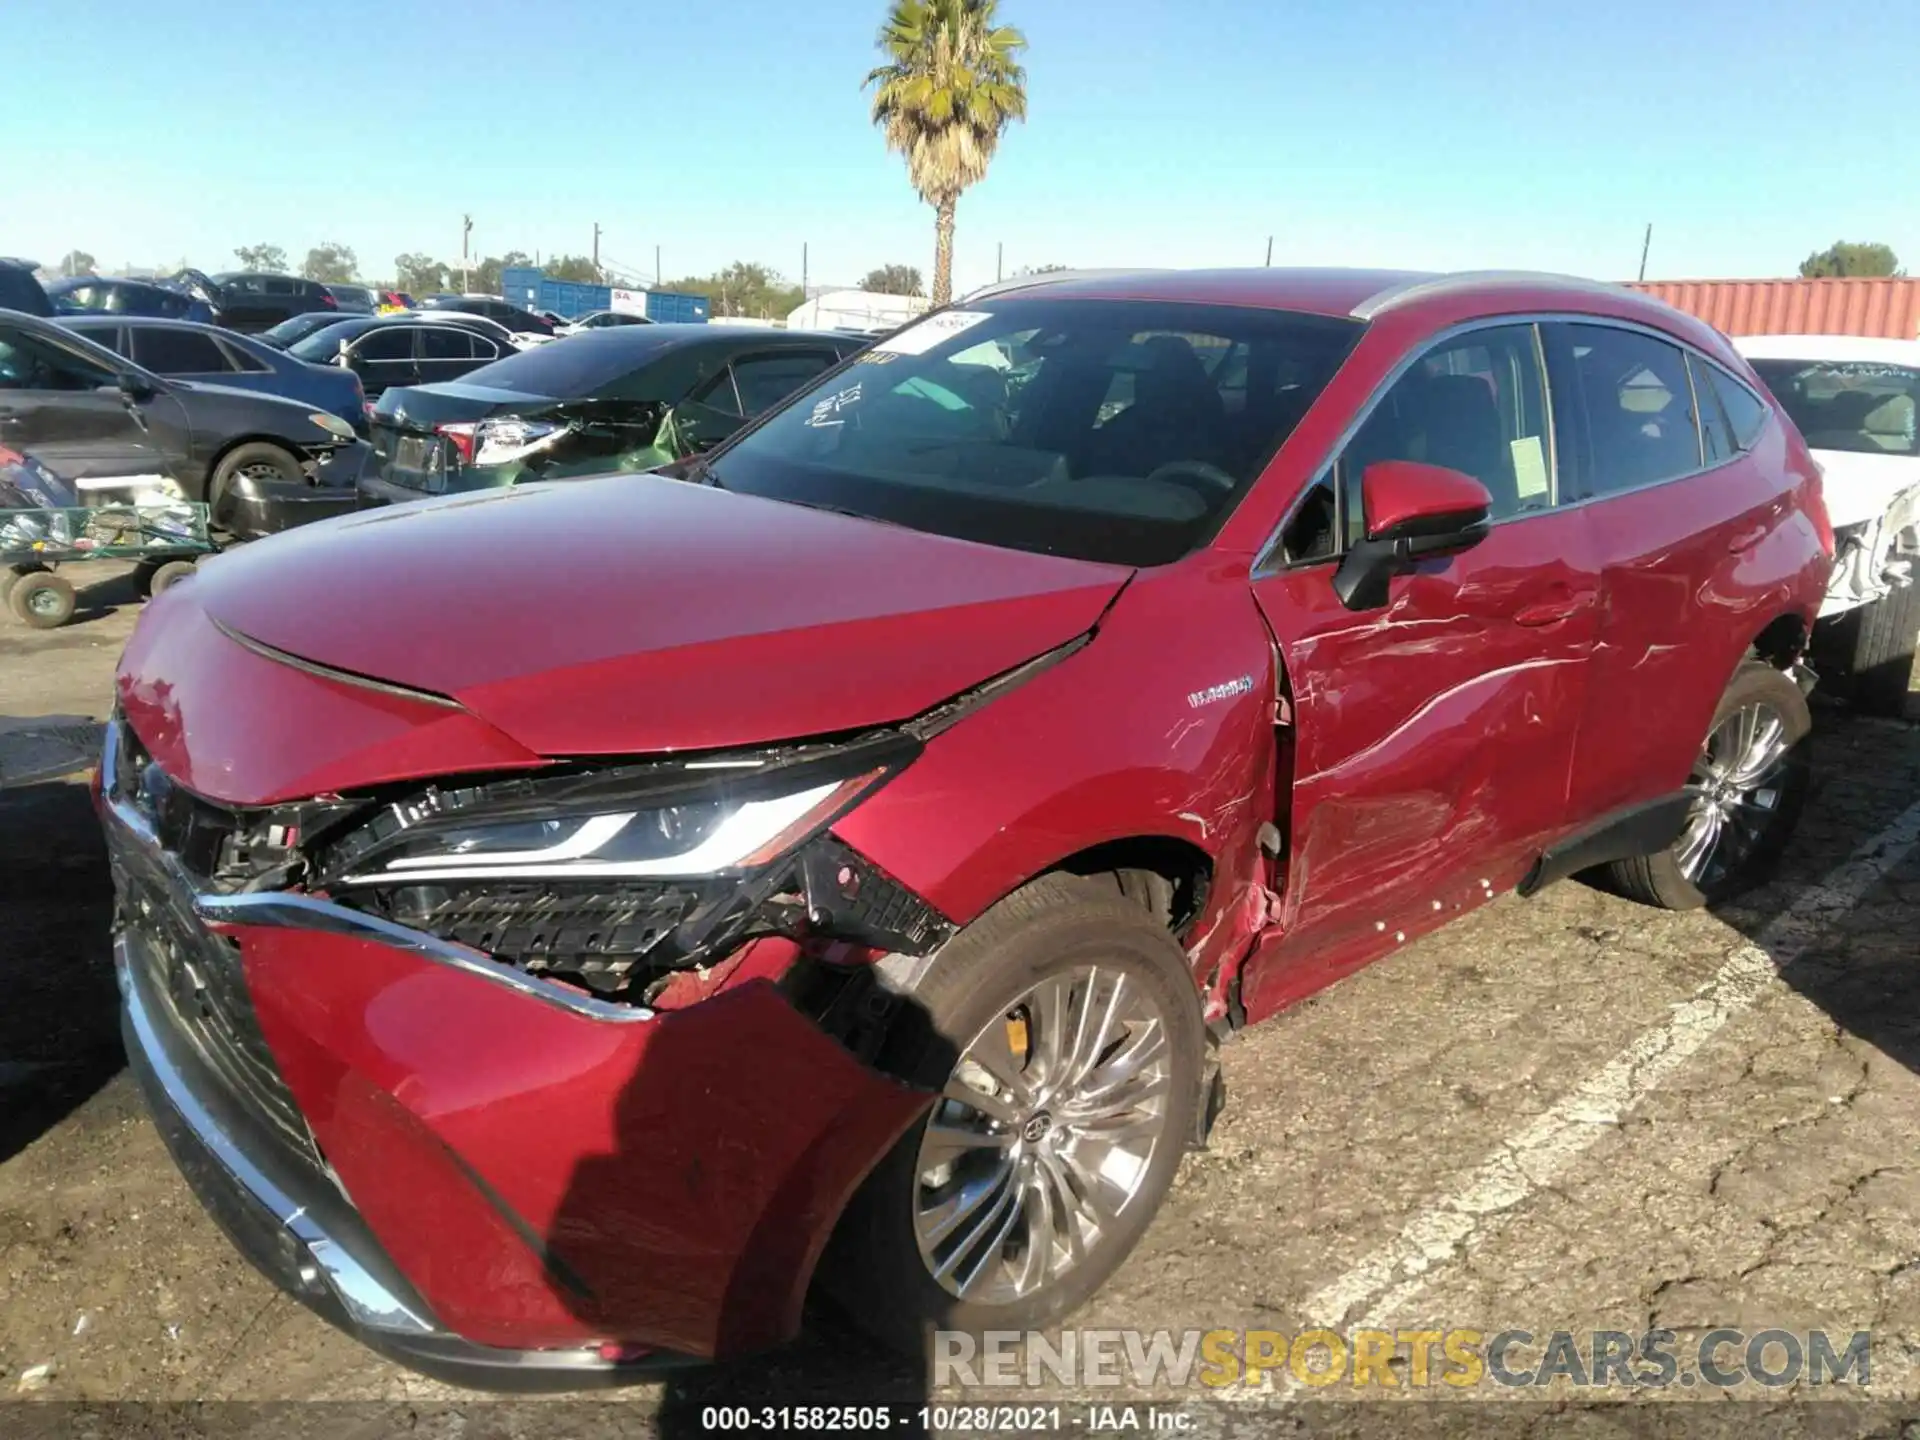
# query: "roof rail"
1410,290
1056,277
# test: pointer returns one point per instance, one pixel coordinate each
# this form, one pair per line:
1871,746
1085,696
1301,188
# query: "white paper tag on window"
932,331
1529,468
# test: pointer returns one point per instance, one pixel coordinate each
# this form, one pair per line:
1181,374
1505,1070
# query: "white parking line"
1383,1282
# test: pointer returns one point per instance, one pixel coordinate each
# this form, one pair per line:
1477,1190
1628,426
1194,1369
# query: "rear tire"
42,600
1876,644
1059,943
1714,860
10,573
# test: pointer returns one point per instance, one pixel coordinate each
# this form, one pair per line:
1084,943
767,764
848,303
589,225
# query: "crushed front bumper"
257,507
469,1170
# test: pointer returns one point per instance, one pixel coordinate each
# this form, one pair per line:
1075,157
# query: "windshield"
1116,430
1862,406
322,346
299,327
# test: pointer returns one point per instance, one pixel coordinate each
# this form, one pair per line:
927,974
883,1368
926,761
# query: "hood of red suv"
636,614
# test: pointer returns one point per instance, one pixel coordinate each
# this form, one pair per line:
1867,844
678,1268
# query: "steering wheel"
1182,472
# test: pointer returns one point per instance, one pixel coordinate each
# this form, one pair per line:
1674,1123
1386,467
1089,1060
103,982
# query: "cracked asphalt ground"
1564,1113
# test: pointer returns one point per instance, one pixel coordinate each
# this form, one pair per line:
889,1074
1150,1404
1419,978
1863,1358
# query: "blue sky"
1426,133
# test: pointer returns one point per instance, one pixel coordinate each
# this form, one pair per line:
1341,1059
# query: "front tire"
1067,1047
258,460
1747,789
1875,645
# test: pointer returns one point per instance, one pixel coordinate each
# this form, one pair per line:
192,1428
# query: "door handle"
1746,540
1552,612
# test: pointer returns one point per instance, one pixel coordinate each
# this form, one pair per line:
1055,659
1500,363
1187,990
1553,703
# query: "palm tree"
949,89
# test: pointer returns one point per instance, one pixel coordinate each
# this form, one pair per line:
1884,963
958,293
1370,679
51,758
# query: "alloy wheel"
1043,1135
1737,787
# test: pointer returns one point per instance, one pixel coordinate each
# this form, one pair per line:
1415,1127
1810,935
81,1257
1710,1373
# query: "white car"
603,320
1854,400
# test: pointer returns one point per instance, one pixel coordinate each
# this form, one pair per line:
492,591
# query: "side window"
395,344
274,286
30,362
240,359
115,300
243,285
1716,437
1474,404
1639,408
177,352
765,380
1745,413
87,297
719,394
446,343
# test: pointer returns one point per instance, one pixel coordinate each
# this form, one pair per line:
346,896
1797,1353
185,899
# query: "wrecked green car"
629,398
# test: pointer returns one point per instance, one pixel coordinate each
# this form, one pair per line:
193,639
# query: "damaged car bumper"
486,1175
259,506
1875,557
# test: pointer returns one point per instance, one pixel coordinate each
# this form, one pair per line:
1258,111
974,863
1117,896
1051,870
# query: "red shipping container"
1887,308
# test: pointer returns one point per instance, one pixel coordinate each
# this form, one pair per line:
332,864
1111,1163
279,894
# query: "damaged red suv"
841,862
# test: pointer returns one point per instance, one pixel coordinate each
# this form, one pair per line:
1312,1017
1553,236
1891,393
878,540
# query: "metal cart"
164,537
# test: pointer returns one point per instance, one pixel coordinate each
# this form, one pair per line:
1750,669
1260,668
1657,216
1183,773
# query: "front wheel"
1745,794
258,460
1067,1050
1878,643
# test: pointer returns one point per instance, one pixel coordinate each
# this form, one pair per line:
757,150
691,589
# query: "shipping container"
570,299
1884,308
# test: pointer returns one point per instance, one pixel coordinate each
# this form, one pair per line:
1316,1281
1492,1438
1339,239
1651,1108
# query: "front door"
1431,739
65,408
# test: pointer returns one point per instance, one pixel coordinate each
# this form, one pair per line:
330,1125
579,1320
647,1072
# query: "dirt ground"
1567,1113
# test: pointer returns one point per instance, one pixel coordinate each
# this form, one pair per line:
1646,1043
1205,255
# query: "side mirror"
135,387
1413,512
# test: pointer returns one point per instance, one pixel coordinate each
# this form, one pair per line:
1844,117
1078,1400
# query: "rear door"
386,357
1431,739
1675,518
449,351
190,354
64,407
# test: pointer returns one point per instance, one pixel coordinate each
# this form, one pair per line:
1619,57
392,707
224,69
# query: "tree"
77,262
1850,258
744,288
419,274
330,264
893,280
270,258
950,87
484,278
572,267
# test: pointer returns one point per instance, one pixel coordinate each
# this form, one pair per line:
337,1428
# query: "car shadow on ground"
59,1025
1842,916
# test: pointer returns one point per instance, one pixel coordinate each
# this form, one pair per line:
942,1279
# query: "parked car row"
923,782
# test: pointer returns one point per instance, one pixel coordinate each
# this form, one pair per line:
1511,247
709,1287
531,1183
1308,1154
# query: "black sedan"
92,417
388,350
628,398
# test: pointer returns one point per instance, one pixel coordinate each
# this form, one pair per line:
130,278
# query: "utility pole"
999,261
1269,251
466,230
1646,245
596,251
803,269
656,265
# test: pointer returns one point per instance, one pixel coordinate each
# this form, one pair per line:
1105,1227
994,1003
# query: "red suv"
559,925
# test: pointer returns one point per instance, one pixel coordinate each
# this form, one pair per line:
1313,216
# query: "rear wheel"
1068,1051
42,600
1746,791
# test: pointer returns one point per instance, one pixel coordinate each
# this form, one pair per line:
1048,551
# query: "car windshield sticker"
826,411
1529,467
932,331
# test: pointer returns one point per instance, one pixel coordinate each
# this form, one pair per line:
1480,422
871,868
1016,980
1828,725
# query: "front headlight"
700,837
333,425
